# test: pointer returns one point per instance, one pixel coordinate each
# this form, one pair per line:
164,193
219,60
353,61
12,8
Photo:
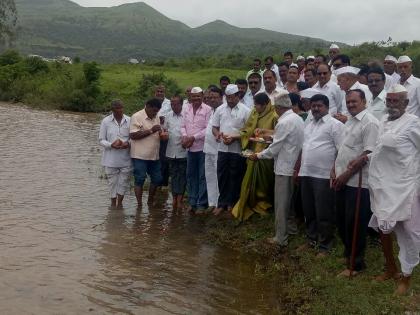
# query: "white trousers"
118,180
408,238
210,168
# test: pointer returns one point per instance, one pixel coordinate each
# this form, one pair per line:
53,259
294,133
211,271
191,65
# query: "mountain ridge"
137,30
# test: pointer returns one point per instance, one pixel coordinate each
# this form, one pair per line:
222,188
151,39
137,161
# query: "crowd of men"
319,139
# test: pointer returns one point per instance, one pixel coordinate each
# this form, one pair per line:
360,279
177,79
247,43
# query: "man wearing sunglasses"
327,87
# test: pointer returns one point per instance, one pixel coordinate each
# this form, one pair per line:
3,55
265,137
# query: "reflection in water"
64,252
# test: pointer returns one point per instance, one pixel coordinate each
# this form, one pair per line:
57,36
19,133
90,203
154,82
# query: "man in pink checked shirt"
193,129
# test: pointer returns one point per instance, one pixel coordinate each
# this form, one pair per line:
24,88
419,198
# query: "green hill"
61,27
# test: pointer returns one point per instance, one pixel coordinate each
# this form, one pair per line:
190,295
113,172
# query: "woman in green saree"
257,185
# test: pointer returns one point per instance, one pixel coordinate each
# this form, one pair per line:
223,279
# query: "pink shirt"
195,125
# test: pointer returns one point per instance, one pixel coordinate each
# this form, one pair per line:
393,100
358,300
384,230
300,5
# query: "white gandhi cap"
403,59
390,58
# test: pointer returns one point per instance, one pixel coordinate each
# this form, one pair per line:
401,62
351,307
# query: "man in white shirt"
254,86
210,150
347,79
359,139
329,88
283,70
411,83
270,65
175,153
310,76
270,84
114,137
159,93
390,68
246,98
256,68
227,122
285,149
376,84
394,184
322,140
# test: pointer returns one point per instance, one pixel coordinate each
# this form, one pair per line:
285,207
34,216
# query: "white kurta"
394,170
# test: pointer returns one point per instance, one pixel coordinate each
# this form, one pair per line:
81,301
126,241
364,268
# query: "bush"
36,65
9,57
149,81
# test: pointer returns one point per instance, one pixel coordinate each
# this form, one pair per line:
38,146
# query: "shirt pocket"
353,141
389,141
125,131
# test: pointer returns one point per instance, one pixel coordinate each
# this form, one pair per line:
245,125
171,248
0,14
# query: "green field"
122,81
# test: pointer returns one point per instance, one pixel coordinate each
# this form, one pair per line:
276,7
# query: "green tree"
149,81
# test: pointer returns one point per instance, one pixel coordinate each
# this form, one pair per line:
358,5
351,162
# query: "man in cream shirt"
359,138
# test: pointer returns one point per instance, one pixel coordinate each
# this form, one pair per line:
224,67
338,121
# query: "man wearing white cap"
323,135
390,68
227,122
359,139
305,96
196,116
270,84
411,83
394,183
327,87
285,149
348,80
333,52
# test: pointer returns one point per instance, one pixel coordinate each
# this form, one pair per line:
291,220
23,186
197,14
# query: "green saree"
258,184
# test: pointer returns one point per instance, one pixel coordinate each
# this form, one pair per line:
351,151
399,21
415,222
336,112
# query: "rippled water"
64,252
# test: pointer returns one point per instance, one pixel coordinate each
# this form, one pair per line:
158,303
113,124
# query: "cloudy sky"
351,22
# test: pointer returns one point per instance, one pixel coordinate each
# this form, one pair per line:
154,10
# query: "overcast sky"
351,22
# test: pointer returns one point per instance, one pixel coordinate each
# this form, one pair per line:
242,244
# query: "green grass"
122,81
312,286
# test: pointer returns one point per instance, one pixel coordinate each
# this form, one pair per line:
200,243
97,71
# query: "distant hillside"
61,27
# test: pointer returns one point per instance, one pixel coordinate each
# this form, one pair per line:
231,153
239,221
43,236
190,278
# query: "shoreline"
307,282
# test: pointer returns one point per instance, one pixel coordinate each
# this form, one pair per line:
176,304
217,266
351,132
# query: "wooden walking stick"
356,224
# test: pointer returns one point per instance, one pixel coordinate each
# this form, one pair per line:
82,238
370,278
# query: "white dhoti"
210,167
408,237
118,180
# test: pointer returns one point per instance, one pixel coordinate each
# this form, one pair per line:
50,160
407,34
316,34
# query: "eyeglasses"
253,82
322,73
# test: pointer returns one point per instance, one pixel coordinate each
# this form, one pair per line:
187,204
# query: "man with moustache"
376,83
395,192
411,83
270,85
327,87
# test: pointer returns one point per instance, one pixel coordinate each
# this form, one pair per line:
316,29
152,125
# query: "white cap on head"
282,99
231,89
390,58
293,65
334,46
300,58
196,90
310,57
308,93
347,69
402,59
397,88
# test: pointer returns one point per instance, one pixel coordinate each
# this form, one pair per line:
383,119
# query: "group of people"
334,144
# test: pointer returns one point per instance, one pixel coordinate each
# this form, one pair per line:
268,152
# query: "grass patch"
311,285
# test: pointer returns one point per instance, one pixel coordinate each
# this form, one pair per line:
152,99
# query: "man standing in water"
144,133
114,136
